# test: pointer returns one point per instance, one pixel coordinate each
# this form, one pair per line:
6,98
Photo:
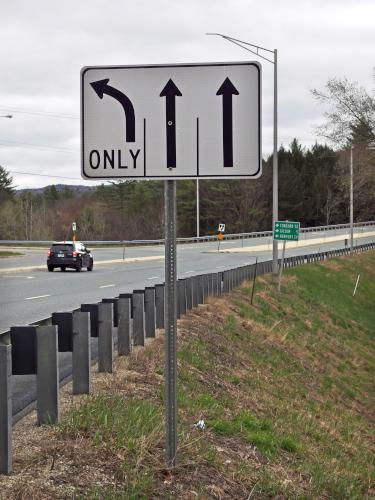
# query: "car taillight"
49,253
74,254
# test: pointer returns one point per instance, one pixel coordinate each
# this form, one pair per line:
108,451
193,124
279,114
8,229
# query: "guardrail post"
189,293
200,289
138,317
81,358
205,287
115,309
6,448
226,279
105,341
93,310
47,375
124,325
64,323
195,286
159,305
215,284
181,293
150,312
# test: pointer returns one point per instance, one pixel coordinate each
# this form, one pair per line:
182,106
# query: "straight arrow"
101,87
227,90
170,91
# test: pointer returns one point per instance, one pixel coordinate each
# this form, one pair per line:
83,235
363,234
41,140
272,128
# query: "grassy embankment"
285,387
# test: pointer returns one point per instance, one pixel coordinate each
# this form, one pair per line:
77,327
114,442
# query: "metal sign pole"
281,266
170,321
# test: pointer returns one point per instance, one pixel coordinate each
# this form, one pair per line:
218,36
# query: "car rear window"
59,248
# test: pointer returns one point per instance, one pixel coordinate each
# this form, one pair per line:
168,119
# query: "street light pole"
351,200
275,174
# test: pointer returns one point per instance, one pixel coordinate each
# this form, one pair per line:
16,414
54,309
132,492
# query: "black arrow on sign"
227,90
170,91
101,87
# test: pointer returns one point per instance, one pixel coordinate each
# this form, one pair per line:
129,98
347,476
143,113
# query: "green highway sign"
286,230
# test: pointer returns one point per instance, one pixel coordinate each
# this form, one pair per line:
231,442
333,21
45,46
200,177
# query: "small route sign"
286,230
221,228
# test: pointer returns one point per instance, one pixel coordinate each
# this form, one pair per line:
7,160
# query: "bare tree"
350,115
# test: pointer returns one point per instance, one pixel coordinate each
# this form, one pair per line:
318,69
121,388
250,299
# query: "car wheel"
79,267
50,268
91,266
63,268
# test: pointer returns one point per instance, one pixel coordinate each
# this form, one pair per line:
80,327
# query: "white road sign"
221,228
172,121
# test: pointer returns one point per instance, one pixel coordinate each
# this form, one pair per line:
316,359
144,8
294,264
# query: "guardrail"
196,239
93,331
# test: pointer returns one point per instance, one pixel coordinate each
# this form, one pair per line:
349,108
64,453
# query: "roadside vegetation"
6,253
285,388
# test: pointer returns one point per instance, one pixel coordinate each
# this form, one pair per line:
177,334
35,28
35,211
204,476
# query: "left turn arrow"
101,87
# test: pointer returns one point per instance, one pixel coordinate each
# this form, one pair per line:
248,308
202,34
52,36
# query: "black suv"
72,254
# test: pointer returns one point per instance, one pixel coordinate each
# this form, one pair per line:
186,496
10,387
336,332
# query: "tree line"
313,189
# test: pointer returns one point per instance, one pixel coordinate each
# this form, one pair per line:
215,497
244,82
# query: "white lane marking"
106,286
219,267
37,297
27,277
188,272
153,277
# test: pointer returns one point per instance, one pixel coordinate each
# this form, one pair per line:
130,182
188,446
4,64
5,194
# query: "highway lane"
26,297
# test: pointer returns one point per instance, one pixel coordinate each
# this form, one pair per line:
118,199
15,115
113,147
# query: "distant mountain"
59,187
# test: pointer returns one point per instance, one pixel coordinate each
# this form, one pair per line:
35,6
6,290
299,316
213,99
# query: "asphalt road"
29,293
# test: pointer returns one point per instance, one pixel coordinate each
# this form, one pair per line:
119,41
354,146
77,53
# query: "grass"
285,388
4,254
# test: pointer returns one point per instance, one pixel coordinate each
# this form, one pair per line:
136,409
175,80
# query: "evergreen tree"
6,185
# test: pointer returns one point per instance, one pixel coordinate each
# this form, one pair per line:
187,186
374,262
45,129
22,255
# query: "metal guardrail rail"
195,239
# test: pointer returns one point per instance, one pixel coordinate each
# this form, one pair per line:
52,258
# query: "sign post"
169,122
170,321
285,230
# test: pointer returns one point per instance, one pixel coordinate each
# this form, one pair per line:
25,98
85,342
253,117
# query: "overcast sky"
44,44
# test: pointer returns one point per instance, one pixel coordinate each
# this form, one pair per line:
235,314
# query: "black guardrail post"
138,317
6,443
47,375
81,357
124,329
105,340
93,310
159,305
115,309
64,323
150,311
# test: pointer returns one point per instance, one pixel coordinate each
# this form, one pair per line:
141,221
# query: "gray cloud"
44,44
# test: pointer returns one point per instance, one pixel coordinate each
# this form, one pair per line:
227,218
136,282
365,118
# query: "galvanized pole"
351,200
197,181
281,266
275,188
170,321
